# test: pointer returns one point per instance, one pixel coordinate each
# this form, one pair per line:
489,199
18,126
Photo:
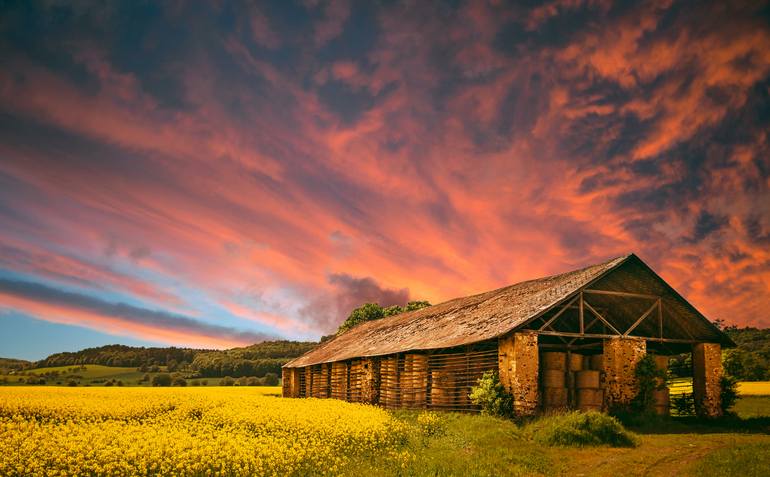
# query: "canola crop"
187,431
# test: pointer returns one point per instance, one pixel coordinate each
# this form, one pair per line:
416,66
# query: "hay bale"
589,397
554,397
554,360
553,378
596,362
575,362
588,378
661,362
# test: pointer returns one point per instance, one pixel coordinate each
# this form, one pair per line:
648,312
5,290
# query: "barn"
565,341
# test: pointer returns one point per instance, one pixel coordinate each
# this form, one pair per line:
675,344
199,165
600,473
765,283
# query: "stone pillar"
369,382
518,368
706,374
619,365
290,382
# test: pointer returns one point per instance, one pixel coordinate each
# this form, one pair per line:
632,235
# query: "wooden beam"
641,318
581,312
660,316
625,294
558,314
601,336
596,313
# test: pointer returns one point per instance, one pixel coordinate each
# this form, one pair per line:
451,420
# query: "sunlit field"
172,431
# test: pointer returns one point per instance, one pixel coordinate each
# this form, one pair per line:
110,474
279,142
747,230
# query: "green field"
91,374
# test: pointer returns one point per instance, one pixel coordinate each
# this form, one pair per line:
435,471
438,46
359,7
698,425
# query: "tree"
161,380
362,314
271,379
373,311
416,305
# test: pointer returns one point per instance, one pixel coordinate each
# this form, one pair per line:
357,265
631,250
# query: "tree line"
256,360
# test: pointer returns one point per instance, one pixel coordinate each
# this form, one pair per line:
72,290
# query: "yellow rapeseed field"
186,431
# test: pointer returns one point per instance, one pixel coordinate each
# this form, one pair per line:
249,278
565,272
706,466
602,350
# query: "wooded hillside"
255,360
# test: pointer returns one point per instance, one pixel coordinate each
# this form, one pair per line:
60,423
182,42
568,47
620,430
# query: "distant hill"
11,364
254,360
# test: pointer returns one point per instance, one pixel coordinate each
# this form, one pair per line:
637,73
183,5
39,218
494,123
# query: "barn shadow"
694,425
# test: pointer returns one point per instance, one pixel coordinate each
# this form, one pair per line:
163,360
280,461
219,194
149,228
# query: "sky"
214,174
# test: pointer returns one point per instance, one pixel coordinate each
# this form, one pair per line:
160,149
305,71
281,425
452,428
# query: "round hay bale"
597,362
575,362
554,360
661,362
554,397
661,396
588,378
589,397
553,378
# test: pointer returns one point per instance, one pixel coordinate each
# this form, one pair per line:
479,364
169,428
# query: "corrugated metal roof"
456,322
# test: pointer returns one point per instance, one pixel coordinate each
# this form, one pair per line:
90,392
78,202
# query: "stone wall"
707,372
518,369
290,378
369,381
619,364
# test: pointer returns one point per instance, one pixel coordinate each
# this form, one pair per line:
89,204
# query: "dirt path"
657,455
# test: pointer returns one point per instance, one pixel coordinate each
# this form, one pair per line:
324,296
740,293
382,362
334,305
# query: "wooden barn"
566,341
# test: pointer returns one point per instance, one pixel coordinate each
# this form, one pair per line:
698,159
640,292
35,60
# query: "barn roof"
488,315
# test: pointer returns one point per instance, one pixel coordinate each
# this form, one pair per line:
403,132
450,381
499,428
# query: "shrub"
649,378
683,404
579,429
728,392
179,381
205,382
161,380
271,379
490,394
226,381
72,383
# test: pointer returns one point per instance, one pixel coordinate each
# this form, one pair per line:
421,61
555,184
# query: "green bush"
490,394
728,392
649,378
683,404
161,380
579,429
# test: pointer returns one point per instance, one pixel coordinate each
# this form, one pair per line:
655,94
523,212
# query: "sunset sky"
212,174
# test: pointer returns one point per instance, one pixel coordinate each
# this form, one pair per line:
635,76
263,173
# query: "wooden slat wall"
339,380
390,372
453,375
302,386
439,381
355,381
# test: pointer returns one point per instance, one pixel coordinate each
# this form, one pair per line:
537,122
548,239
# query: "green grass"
486,446
747,460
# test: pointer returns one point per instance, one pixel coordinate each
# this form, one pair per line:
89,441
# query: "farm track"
658,455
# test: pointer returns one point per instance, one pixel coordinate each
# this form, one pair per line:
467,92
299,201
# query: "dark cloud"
350,292
707,224
129,314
